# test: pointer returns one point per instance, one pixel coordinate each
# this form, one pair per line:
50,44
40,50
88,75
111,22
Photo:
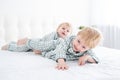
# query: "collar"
70,50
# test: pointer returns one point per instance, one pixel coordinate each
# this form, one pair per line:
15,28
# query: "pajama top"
65,50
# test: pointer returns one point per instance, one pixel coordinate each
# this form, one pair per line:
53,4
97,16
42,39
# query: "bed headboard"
14,27
35,18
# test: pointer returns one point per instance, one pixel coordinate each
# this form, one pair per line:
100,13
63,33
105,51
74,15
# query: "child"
76,48
47,43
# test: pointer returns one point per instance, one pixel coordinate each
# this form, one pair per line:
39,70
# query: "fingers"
62,67
81,62
37,51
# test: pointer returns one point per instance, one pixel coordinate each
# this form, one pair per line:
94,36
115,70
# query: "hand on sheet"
37,51
61,65
22,41
82,60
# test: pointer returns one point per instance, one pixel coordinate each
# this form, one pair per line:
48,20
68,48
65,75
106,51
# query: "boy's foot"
5,47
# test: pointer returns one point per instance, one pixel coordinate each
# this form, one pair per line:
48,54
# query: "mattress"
28,66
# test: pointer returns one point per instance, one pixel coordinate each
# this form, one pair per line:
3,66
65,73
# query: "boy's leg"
14,47
41,45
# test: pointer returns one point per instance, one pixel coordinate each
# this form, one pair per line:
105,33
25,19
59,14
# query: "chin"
63,36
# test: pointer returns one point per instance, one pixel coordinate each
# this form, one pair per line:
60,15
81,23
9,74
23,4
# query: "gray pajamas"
46,43
64,50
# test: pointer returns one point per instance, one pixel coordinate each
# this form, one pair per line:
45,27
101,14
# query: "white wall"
49,12
35,18
105,12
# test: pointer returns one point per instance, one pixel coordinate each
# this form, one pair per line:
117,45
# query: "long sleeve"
61,51
92,54
51,36
58,52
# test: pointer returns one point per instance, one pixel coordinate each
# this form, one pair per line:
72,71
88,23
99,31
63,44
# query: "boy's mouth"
63,33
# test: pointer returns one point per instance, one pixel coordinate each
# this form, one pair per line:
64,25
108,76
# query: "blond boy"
76,48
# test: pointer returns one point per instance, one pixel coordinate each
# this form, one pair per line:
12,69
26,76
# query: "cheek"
60,31
80,49
66,33
75,43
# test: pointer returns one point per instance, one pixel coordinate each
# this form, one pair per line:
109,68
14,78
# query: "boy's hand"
37,51
61,65
82,60
22,41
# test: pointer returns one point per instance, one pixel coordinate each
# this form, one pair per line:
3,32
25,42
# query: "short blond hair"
67,24
91,36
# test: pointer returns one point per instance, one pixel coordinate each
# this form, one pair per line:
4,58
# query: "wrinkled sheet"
28,66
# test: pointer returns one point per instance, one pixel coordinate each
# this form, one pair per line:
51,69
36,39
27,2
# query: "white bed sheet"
28,66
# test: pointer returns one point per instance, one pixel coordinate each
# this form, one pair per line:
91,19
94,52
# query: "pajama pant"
34,44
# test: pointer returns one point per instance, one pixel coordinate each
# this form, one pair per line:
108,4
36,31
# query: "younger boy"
46,43
76,48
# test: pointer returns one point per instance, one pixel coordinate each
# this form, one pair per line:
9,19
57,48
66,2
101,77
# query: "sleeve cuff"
61,58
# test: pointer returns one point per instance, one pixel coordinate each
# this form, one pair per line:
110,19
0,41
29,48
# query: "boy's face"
78,45
63,31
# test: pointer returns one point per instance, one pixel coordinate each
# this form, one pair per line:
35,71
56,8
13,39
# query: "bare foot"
5,47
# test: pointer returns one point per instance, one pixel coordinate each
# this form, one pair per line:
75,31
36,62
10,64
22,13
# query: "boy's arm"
93,56
90,59
89,56
60,57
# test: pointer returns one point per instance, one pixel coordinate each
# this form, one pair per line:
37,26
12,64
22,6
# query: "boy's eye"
67,30
83,47
63,28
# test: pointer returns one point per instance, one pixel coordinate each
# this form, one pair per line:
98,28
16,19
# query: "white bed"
28,66
32,18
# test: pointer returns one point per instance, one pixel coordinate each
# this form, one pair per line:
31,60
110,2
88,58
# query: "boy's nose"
80,49
65,31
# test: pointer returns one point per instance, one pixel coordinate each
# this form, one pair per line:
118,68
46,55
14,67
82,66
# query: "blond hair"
67,25
91,36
